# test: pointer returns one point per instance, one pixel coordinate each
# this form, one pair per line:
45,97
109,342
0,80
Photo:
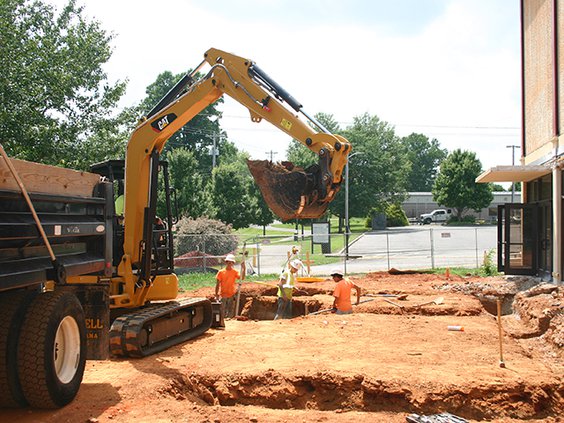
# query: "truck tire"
12,309
427,221
52,350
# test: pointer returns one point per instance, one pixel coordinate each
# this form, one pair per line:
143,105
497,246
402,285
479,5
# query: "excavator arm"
289,191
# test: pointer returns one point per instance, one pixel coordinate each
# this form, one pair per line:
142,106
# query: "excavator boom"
290,192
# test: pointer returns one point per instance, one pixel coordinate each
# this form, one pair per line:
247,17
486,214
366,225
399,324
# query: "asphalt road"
413,247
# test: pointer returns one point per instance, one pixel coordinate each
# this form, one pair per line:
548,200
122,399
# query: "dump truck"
79,282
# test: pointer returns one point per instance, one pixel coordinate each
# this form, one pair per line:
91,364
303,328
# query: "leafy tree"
263,215
56,104
378,172
455,185
192,198
198,134
230,195
517,186
425,157
498,188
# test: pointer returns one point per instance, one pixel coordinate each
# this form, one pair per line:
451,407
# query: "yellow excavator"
74,278
291,192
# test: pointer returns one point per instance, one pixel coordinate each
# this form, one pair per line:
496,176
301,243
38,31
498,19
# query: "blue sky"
449,69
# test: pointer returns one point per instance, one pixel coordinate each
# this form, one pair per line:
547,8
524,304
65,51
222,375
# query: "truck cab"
439,215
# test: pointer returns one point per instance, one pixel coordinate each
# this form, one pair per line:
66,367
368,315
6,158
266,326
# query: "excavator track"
159,326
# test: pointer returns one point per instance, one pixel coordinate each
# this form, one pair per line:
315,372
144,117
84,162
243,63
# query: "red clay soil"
380,364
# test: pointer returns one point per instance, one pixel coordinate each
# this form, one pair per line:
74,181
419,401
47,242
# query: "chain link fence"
413,247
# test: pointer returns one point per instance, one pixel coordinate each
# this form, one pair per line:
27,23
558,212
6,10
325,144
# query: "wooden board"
40,178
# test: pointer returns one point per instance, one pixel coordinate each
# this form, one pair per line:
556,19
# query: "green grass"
462,271
357,224
247,233
316,256
193,281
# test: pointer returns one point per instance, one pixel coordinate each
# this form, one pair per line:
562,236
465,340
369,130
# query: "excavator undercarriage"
156,327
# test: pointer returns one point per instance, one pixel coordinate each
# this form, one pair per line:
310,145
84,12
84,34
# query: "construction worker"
285,289
225,287
342,292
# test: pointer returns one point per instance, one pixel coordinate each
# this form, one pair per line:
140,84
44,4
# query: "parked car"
439,215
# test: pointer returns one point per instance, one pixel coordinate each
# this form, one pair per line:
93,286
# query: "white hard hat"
230,257
336,271
296,264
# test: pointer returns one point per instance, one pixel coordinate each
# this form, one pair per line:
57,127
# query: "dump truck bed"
75,210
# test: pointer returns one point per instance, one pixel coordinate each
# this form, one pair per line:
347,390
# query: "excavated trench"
263,306
329,392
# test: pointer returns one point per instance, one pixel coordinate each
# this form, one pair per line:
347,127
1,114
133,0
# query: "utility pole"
271,153
513,147
347,225
214,148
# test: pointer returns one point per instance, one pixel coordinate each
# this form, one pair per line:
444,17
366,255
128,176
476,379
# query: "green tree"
192,197
456,187
498,188
425,156
232,202
263,215
377,173
56,103
198,134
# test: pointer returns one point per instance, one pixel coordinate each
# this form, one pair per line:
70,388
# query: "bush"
468,219
489,267
206,235
395,216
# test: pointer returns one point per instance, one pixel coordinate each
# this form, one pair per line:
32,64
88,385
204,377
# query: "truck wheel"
427,221
12,309
52,350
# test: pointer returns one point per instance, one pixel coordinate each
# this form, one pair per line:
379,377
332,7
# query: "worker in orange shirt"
342,292
225,287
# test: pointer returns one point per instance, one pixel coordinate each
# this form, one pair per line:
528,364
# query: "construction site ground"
380,364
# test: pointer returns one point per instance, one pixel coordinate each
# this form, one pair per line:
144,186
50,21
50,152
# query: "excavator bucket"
290,192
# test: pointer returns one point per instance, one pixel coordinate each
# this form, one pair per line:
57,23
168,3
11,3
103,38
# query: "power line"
407,124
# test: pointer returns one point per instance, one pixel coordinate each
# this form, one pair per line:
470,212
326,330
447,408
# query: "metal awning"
513,173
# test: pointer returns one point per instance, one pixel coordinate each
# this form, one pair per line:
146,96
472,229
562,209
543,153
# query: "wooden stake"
243,274
501,362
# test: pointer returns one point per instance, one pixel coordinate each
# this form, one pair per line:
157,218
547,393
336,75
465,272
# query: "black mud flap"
290,191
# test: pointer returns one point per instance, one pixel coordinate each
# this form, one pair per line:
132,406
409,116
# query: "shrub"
489,267
468,219
395,216
206,235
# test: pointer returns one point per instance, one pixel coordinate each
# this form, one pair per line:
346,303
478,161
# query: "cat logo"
161,123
